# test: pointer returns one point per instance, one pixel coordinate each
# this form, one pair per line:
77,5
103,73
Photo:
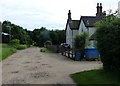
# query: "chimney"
99,10
100,7
69,15
104,13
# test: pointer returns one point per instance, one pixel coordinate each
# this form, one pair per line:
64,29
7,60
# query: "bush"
108,38
20,47
80,41
48,42
15,43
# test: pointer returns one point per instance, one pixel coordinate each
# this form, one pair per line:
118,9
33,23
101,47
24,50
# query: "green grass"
46,51
5,51
21,47
96,77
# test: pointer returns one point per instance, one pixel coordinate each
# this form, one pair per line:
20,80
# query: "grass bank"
95,78
7,50
46,51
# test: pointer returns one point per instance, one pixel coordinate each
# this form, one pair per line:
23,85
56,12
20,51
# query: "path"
30,66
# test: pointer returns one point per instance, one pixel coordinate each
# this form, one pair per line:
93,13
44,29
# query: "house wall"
82,27
69,36
91,31
75,32
118,9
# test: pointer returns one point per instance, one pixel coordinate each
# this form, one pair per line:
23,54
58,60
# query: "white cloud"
49,13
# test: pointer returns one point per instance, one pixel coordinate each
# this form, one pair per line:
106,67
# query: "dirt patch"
44,64
15,72
17,81
26,62
32,68
37,62
40,75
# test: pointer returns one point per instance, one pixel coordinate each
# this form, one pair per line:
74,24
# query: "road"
30,66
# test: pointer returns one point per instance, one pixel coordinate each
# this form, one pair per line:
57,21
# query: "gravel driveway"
30,66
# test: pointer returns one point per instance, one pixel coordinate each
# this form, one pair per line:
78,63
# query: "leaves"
108,38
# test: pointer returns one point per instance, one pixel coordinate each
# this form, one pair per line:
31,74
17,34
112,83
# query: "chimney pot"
69,15
97,4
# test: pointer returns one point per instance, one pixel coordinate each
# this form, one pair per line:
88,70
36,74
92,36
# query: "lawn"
95,78
5,51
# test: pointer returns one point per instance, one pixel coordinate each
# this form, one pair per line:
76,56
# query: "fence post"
68,53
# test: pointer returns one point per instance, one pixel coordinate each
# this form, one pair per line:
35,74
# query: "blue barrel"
91,53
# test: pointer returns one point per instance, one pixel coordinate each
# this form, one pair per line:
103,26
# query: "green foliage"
95,78
21,47
80,41
48,42
108,38
40,36
16,32
15,43
7,50
46,51
37,37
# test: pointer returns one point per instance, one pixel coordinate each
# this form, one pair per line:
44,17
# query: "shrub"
20,47
80,41
108,38
48,42
15,43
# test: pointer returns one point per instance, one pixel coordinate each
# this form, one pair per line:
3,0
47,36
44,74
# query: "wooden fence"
64,51
69,53
54,48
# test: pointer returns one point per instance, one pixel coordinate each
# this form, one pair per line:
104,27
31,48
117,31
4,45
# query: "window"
82,30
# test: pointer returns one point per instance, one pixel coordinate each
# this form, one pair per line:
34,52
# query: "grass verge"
95,78
7,50
46,51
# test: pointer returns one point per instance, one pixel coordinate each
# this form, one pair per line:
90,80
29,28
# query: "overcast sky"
51,14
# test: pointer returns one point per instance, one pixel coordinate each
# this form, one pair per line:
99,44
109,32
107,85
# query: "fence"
69,53
64,51
54,48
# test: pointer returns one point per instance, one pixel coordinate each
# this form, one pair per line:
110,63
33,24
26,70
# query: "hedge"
108,42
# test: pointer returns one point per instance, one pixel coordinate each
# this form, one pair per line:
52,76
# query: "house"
118,9
85,24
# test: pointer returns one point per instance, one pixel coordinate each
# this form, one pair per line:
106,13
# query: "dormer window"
88,22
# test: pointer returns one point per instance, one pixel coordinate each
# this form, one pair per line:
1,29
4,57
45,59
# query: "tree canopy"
108,42
38,36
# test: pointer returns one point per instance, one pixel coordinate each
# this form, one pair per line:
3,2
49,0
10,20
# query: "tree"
40,36
15,32
80,41
79,44
108,42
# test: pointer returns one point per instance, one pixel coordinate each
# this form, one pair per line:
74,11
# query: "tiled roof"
90,20
74,24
